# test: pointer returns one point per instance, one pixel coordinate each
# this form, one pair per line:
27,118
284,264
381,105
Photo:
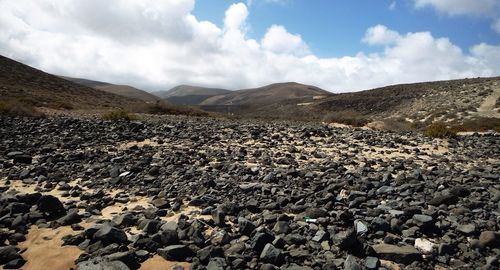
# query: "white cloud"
278,40
236,16
380,35
462,7
159,44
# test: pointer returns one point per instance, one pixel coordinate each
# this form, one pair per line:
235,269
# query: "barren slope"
22,83
122,90
266,95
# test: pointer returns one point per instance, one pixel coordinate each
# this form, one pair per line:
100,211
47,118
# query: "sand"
44,249
158,263
150,142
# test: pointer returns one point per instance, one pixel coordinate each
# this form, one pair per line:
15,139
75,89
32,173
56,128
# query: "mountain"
190,95
86,82
122,90
266,95
471,102
189,90
453,102
20,83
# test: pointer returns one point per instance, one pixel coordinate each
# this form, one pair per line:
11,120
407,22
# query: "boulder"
400,254
178,253
272,255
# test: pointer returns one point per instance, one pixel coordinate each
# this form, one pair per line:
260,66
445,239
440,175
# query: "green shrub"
118,115
439,130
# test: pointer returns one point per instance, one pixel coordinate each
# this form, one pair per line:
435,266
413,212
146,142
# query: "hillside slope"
266,95
474,102
190,95
22,83
189,90
453,101
122,90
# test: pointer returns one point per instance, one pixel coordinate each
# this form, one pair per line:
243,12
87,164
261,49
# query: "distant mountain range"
419,104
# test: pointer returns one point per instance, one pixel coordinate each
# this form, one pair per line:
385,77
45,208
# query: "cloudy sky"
336,45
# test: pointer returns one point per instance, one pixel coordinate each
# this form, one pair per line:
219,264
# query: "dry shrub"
347,118
17,108
61,105
439,130
480,124
159,108
118,115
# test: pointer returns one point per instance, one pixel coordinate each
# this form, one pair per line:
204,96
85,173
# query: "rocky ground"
181,193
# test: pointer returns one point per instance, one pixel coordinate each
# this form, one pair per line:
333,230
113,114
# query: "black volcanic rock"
399,254
249,194
108,234
443,199
175,253
8,253
50,205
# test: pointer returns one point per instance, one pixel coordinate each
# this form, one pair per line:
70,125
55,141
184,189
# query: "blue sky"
335,28
336,45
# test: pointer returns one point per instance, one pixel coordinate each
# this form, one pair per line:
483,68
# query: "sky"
336,45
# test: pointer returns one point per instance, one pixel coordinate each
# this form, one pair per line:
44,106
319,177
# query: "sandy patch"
390,265
158,263
150,142
44,249
338,125
487,108
19,186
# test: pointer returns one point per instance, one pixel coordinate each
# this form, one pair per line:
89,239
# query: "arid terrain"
98,176
174,192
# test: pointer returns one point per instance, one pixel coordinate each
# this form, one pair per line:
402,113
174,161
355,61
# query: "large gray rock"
108,234
272,255
101,264
399,254
8,253
489,239
446,199
178,253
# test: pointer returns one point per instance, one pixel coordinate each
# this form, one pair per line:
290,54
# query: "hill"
470,103
189,90
122,90
190,95
454,102
266,95
27,85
